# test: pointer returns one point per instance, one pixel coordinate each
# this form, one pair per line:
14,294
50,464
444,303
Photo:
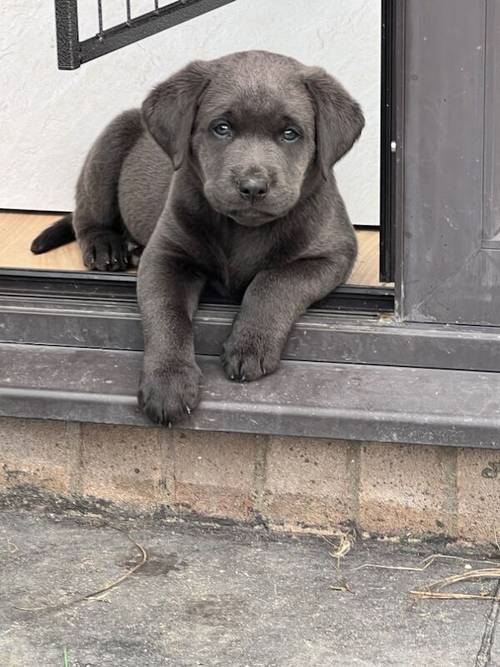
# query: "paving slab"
226,596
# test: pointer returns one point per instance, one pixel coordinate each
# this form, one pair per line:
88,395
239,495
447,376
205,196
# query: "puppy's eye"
222,129
290,134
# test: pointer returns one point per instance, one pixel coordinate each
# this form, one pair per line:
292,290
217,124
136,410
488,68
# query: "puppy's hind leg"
97,221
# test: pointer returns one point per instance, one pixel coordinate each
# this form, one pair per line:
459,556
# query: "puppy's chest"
239,260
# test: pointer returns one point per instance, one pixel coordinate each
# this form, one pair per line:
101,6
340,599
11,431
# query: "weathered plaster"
48,118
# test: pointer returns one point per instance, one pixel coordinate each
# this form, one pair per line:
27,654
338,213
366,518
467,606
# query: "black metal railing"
71,52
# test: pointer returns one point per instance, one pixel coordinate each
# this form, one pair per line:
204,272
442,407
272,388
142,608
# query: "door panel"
491,214
451,253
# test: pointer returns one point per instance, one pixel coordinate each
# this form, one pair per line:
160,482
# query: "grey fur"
252,212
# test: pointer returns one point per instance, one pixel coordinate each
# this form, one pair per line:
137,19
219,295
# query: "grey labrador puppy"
225,177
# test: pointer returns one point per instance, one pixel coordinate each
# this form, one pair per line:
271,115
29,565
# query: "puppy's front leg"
168,290
272,303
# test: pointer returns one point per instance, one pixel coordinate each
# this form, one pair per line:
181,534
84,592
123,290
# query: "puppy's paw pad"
167,394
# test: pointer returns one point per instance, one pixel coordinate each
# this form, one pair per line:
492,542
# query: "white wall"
48,118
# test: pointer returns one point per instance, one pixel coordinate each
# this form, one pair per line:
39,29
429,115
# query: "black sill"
322,400
120,288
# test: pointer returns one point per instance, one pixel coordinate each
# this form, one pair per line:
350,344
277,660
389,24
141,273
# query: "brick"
40,453
215,473
478,483
296,482
407,489
309,482
122,464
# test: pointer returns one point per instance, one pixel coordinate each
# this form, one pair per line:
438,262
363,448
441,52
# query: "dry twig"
427,562
97,595
341,551
434,589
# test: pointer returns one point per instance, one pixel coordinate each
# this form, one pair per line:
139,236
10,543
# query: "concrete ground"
227,596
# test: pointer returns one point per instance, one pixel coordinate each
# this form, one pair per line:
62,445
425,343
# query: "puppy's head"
255,126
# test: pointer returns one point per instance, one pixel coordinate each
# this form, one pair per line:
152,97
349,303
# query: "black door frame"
388,144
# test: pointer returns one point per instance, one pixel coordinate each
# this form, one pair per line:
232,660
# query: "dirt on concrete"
228,596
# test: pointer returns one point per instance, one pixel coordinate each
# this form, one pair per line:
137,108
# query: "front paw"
106,251
249,355
170,392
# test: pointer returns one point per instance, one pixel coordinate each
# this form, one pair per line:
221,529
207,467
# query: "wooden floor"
18,229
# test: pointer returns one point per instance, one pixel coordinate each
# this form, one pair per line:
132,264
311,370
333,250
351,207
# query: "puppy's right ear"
170,109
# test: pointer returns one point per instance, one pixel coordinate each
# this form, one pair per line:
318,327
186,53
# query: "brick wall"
287,483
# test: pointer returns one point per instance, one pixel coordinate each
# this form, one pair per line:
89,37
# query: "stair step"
325,400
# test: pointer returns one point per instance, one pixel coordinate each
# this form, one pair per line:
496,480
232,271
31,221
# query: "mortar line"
167,465
353,462
448,457
483,658
260,472
77,463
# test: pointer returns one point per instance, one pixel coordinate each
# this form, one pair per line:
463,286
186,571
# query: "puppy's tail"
60,233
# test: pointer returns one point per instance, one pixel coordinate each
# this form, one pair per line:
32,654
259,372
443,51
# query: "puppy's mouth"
251,217
246,213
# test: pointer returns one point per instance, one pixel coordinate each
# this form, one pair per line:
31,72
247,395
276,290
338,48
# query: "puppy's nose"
253,187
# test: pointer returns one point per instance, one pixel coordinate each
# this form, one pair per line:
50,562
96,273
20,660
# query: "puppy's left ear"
170,109
339,119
